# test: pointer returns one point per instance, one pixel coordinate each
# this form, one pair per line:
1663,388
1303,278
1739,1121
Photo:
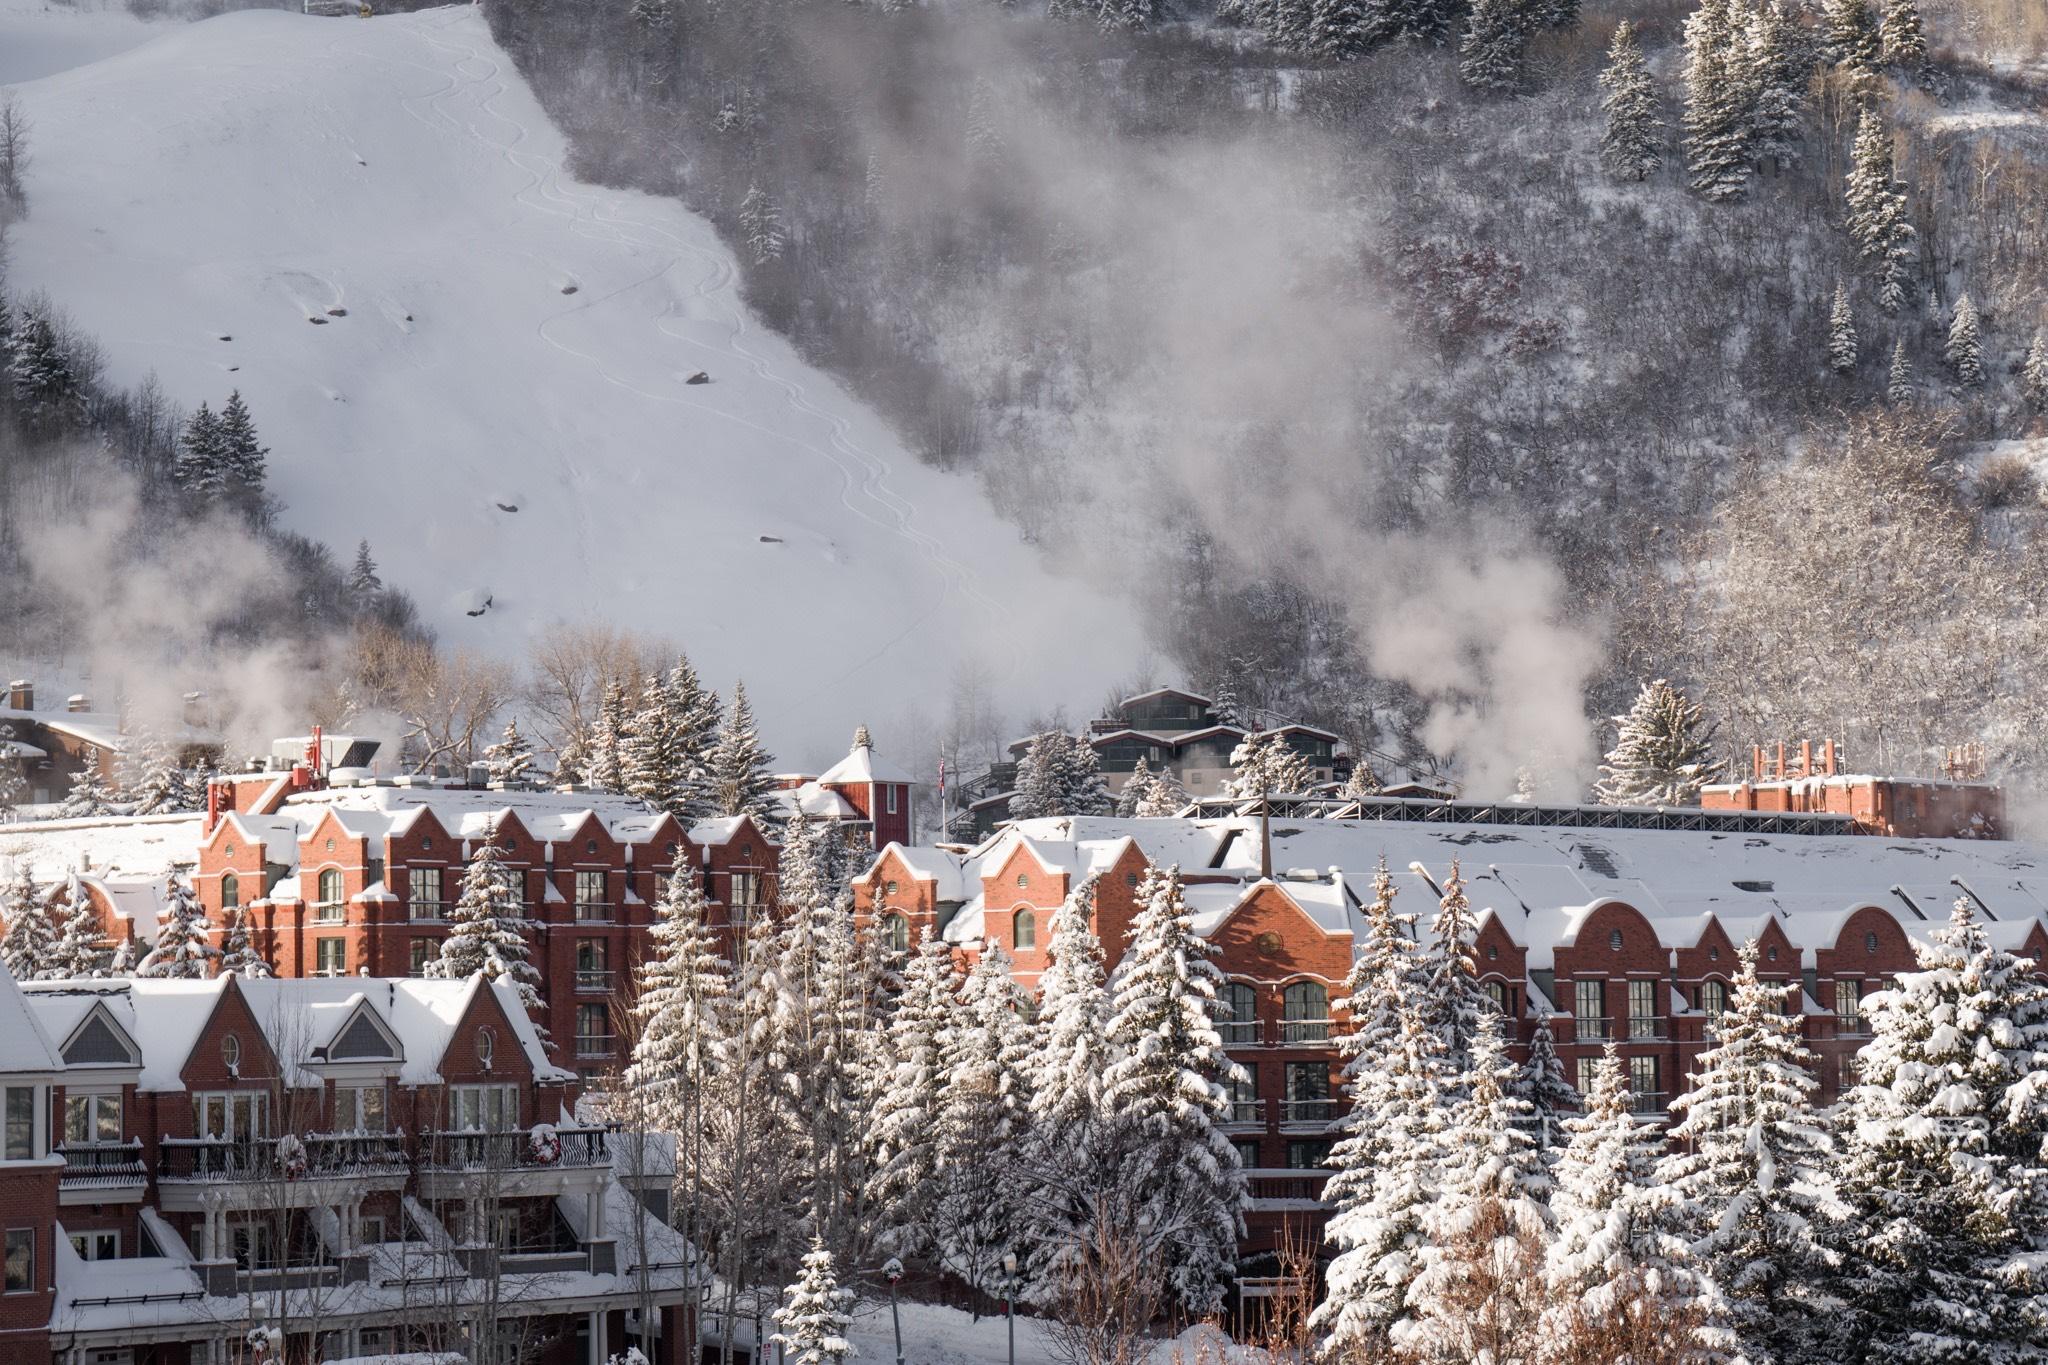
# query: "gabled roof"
1180,692
25,1049
862,765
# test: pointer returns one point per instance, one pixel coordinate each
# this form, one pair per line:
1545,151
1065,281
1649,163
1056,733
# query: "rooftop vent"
1756,886
21,695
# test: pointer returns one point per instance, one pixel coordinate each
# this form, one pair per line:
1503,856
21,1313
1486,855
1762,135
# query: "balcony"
1647,1104
1239,1034
592,912
1308,1111
429,910
1286,1190
101,1173
233,1159
1589,1030
593,981
1247,1113
1644,1029
327,912
1304,1032
512,1149
594,1046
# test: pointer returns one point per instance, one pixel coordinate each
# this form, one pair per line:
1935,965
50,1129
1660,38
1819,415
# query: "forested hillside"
1438,376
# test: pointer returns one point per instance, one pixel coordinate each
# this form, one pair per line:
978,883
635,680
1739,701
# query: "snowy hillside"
42,37
480,366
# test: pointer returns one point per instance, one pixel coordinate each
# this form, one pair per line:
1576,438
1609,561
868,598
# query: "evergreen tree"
1362,783
200,470
905,1153
605,766
2033,382
1717,125
48,396
1337,29
1616,1272
1776,75
1633,145
75,952
238,951
1478,1292
1542,1083
761,226
984,1124
1902,37
183,946
1490,58
1165,1093
14,788
814,1317
740,783
1265,764
1853,35
152,781
1457,1001
124,960
1942,1156
243,460
29,945
487,929
1898,386
1554,14
1137,790
1965,349
1751,1186
684,985
1841,333
1663,752
1877,212
1059,775
89,796
1166,799
510,760
364,586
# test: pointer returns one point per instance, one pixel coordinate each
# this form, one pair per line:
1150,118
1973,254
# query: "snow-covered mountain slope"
42,37
480,365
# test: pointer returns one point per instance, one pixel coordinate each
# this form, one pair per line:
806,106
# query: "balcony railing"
591,1045
258,1158
1235,1033
593,980
1307,1111
1644,1028
327,912
1288,1185
1247,1111
513,1149
101,1163
1304,1031
429,910
1586,1029
1647,1103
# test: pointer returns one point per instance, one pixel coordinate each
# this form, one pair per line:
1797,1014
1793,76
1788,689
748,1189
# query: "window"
892,799
254,1247
1713,998
236,1115
486,1046
425,886
1240,1014
487,1108
746,892
1847,1080
1849,1006
896,933
593,1031
1585,1069
1870,943
21,1260
1308,1093
328,908
92,1118
1642,1009
1645,1095
1589,1008
21,1123
1305,1010
1771,952
1024,929
1497,992
1614,941
1247,1153
1244,1096
330,956
1022,881
373,1235
590,902
97,1246
424,950
230,891
359,1109
1310,1155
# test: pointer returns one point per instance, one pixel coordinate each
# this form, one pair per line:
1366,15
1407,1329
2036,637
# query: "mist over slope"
481,366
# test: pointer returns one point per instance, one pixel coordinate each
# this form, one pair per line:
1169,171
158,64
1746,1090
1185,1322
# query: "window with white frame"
590,901
230,891
746,893
1849,1006
1589,1008
1713,997
359,1109
327,909
22,1130
1238,1020
1642,1009
97,1245
484,1108
236,1115
892,799
92,1118
424,892
1305,1012
896,933
330,956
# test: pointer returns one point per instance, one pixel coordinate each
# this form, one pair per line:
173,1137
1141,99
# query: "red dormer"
878,791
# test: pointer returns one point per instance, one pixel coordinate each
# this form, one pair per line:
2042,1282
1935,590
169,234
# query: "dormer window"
231,1051
230,891
888,888
486,1047
427,843
1022,881
228,850
590,845
330,845
1870,944
1614,941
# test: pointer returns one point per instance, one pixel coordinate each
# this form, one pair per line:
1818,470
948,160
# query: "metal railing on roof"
1419,810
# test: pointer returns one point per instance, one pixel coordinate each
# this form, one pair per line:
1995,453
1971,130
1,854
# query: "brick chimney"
77,702
21,695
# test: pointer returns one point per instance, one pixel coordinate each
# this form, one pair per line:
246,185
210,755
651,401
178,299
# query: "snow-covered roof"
123,846
101,729
862,765
379,811
816,802
25,1048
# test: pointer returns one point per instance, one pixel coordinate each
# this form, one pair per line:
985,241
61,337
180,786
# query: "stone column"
598,1351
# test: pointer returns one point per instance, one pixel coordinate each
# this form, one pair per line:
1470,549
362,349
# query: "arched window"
896,933
1713,998
1497,992
1238,1019
1024,930
1305,1013
329,905
230,891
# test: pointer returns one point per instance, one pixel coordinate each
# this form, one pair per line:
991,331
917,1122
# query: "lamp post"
1009,1303
892,1271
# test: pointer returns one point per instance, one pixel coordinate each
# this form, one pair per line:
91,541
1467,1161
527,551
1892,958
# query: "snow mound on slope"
377,215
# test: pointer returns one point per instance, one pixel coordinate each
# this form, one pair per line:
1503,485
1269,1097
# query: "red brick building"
367,1165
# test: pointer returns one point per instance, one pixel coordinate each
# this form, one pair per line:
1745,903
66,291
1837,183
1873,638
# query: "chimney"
1266,838
195,709
213,802
77,702
313,748
1806,758
21,695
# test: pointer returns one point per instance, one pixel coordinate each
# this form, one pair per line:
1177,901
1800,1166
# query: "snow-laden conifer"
1136,791
1853,37
29,945
1876,212
183,947
1965,349
813,1318
1776,70
1059,775
761,225
243,460
364,586
1902,36
1490,57
604,765
1717,124
151,779
1842,342
487,928
89,796
1457,1002
984,1124
666,758
1166,798
904,1150
684,986
1337,29
1751,1185
740,781
2033,376
1265,764
238,951
1663,752
1166,1094
1542,1082
1632,146
510,760
75,952
1898,384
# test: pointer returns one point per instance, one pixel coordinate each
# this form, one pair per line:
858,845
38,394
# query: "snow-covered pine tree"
1265,764
29,945
653,764
1965,349
124,959
1490,57
1876,216
510,760
984,1126
47,393
655,16
904,1151
243,460
1632,147
1081,780
1663,752
1363,781
696,710
1059,775
1165,1094
1137,790
1777,69
1898,384
1554,14
75,952
1853,37
88,796
1717,126
740,781
1542,1083
1901,36
1168,797
2033,383
1942,1156
183,948
1457,1001
1337,29
152,781
1751,1187
1842,332
487,929
814,1317
605,765
238,950
14,788
364,586
761,225
1478,1293
199,470
1623,1285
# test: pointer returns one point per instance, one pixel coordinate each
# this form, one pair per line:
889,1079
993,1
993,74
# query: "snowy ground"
366,227
42,37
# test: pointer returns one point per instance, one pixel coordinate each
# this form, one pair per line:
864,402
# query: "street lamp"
1009,1302
892,1271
